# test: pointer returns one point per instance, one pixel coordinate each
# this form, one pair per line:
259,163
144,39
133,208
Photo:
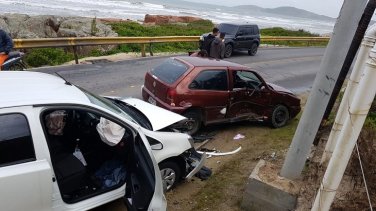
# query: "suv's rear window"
169,70
228,29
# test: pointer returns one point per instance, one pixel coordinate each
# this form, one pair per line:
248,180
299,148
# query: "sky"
329,8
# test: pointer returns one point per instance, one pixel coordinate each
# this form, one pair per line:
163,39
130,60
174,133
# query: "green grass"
226,185
49,56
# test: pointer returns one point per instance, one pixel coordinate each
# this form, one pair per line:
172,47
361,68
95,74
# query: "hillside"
287,11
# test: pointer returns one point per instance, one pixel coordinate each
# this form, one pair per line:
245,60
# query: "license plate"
152,101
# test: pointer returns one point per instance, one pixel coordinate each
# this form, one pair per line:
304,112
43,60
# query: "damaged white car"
63,148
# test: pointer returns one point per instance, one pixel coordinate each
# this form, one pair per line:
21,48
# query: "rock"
49,26
167,19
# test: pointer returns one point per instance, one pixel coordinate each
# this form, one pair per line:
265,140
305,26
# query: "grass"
51,57
226,185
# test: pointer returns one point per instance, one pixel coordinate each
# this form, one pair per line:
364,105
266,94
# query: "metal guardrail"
90,41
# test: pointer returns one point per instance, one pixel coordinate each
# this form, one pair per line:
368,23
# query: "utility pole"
323,85
367,44
352,126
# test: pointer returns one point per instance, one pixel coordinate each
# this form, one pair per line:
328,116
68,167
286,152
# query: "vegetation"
49,56
278,31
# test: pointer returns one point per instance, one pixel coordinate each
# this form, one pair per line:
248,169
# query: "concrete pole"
352,126
323,85
367,44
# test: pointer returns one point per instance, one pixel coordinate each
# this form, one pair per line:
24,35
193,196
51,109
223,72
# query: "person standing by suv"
6,44
209,39
217,49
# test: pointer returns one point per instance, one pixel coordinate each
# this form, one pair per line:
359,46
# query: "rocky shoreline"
21,26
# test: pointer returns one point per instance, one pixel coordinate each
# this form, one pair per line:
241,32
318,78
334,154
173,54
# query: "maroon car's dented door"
249,97
209,86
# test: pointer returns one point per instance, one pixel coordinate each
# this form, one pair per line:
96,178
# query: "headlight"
190,139
202,38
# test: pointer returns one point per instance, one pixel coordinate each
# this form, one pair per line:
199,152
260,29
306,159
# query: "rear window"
169,70
228,29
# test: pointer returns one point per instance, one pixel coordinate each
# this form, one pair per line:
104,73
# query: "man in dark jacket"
6,44
209,39
217,49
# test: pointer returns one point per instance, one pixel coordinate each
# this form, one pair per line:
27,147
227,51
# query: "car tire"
194,122
253,50
279,116
228,51
170,173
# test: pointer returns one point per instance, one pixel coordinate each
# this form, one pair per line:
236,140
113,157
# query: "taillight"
146,76
171,95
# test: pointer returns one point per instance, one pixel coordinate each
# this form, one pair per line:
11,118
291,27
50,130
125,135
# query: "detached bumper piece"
195,166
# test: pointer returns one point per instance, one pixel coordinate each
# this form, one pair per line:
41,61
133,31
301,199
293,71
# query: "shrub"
47,56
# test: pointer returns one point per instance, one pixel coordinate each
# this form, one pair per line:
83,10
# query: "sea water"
136,10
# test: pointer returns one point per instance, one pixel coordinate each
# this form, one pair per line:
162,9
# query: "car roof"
209,62
19,88
240,24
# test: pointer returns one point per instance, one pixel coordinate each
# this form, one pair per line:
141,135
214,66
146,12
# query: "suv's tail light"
171,95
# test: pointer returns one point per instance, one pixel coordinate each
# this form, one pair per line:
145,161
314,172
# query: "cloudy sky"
329,8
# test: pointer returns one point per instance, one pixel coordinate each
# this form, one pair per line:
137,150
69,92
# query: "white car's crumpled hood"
158,117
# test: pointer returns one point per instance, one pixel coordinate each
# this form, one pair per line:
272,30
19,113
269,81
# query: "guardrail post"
151,49
143,50
308,44
75,54
274,43
196,46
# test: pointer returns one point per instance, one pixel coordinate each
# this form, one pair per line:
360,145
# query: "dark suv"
239,36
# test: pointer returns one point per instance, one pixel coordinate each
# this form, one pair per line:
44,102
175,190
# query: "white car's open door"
144,189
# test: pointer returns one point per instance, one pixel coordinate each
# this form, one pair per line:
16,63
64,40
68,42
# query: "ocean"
136,10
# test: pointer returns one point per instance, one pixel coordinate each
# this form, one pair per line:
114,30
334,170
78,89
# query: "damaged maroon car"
209,91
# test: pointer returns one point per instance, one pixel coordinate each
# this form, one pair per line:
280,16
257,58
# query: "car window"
228,29
169,70
245,79
249,31
242,31
210,80
106,104
16,143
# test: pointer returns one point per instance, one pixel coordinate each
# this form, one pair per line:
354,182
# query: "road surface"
292,68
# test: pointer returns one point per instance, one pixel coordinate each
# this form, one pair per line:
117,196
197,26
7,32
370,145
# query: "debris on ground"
239,136
202,138
220,153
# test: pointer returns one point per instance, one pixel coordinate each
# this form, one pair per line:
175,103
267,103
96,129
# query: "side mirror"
157,146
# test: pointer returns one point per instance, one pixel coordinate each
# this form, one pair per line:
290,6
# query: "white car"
63,148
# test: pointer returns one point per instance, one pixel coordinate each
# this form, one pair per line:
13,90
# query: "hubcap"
229,50
168,178
280,117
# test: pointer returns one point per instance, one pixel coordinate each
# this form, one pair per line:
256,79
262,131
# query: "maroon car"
208,91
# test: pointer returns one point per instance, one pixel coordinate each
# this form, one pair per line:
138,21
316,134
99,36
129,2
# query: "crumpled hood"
279,88
158,117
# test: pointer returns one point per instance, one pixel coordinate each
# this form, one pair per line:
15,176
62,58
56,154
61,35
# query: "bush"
47,56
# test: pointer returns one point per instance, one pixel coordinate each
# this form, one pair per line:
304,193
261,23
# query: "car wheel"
253,50
228,50
170,174
193,123
279,116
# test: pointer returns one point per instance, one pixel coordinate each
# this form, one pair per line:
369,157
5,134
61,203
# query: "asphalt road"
292,68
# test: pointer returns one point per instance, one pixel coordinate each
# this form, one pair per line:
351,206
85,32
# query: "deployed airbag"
110,132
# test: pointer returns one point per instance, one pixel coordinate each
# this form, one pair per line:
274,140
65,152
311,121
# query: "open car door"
144,189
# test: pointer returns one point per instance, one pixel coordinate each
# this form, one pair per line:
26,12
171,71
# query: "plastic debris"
220,153
272,155
239,136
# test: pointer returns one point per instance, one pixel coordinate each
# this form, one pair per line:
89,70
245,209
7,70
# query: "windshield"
106,104
228,29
